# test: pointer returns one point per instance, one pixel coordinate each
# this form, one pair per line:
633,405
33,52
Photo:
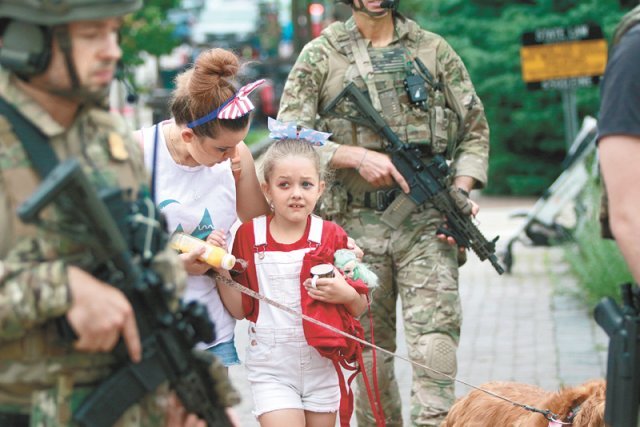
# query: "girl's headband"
235,107
289,130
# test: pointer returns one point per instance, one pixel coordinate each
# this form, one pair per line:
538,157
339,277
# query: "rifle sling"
125,387
35,143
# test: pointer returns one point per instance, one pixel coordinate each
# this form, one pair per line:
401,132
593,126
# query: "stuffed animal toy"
352,268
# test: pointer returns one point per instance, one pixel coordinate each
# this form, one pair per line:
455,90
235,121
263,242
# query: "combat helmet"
25,27
56,12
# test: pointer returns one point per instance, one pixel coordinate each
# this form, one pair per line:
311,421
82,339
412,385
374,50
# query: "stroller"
542,226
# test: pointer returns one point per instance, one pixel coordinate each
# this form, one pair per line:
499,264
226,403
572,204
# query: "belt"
14,419
378,200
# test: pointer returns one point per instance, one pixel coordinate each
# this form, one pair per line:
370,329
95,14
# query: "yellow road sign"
570,59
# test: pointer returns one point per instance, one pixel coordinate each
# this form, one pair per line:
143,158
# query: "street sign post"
564,59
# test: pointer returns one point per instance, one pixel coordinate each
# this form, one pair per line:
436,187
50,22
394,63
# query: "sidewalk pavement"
526,326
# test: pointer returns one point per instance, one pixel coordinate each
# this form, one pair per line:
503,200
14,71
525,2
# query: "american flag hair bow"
280,130
237,106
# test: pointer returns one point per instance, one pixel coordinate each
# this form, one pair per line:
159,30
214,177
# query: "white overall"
284,371
195,200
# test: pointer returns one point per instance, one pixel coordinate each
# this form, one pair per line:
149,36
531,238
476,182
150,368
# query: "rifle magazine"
401,207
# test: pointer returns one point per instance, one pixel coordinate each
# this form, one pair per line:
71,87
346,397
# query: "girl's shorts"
287,373
226,352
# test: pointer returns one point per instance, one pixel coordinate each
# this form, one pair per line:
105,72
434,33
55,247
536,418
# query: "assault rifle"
124,236
623,362
427,182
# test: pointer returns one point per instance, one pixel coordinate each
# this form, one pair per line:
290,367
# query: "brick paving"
526,326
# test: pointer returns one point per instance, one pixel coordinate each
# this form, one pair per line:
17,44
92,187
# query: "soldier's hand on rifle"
176,415
379,171
459,192
100,314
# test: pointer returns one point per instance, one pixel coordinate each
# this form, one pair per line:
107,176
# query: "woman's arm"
250,201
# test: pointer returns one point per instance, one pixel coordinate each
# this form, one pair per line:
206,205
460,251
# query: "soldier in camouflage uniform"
43,274
377,49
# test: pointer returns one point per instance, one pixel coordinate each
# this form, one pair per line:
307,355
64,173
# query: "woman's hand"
192,264
236,166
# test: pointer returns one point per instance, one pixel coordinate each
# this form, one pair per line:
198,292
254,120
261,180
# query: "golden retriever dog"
582,406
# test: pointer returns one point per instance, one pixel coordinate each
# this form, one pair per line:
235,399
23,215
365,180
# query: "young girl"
203,175
291,383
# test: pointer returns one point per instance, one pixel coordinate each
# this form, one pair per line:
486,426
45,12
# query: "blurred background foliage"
527,128
148,30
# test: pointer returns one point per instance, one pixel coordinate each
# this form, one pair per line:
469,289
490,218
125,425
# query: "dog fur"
479,409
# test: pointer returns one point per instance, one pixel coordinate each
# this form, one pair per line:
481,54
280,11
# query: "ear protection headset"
25,48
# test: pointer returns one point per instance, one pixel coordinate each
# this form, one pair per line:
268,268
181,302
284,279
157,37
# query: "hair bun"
218,62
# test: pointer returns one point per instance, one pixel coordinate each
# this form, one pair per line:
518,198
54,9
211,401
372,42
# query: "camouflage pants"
414,265
55,405
50,408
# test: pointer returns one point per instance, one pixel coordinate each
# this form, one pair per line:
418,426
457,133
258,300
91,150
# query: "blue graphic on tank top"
201,231
167,202
205,227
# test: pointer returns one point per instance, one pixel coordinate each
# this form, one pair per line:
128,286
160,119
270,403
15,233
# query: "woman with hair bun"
203,175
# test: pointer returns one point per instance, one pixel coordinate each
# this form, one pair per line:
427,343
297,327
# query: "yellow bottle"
213,255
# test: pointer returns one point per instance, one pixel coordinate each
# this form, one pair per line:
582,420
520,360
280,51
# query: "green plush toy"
352,268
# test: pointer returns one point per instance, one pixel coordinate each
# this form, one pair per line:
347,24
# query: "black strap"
35,143
14,419
154,162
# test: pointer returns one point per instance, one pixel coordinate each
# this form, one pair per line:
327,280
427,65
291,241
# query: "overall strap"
154,162
35,143
260,234
260,231
315,230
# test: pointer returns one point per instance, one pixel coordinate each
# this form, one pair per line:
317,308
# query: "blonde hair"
283,148
203,88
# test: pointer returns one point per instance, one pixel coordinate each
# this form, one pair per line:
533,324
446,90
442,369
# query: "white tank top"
195,200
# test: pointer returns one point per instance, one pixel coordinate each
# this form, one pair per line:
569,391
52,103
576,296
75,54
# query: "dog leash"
550,416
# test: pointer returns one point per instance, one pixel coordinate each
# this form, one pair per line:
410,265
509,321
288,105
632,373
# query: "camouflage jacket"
324,68
629,20
36,367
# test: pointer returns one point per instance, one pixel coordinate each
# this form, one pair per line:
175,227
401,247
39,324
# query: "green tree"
148,30
527,131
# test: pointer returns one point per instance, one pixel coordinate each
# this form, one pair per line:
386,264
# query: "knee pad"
438,352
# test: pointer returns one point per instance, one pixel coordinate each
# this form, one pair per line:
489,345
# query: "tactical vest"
382,72
628,21
39,358
106,156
